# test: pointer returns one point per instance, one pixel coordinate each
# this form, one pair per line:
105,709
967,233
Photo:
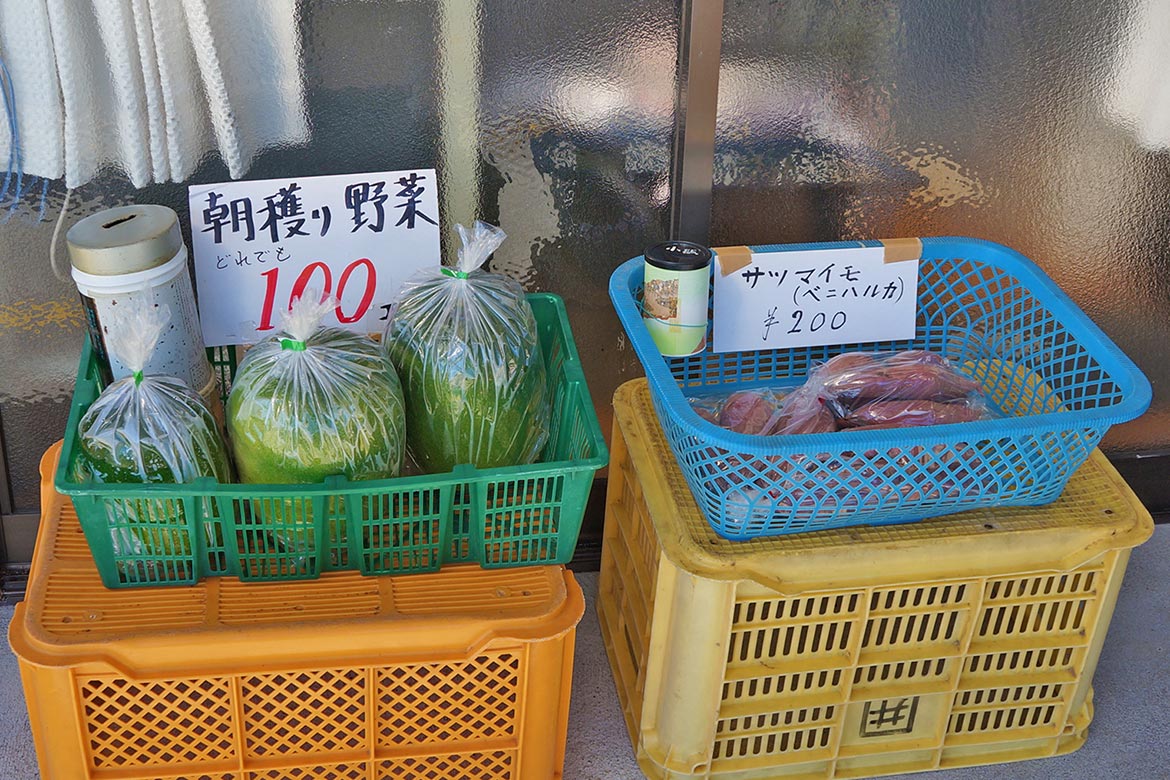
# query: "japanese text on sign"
259,245
811,298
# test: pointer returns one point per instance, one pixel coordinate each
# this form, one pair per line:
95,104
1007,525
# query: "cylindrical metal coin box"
129,252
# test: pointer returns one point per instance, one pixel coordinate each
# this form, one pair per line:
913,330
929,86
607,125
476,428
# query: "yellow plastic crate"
971,639
460,674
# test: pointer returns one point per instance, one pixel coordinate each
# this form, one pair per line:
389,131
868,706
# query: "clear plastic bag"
314,402
466,346
895,390
148,429
761,411
854,390
852,393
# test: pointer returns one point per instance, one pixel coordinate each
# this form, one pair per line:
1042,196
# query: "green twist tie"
137,378
292,344
453,273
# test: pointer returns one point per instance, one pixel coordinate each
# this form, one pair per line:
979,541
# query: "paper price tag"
810,298
258,245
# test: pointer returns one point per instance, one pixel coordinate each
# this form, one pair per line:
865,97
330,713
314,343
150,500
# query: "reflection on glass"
551,119
1018,123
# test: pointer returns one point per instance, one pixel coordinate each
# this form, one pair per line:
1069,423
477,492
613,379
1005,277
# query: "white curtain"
150,86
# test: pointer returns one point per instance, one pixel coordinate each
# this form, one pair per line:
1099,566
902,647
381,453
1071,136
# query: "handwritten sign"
259,245
780,300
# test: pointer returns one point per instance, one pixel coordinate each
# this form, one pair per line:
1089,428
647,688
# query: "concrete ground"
1129,737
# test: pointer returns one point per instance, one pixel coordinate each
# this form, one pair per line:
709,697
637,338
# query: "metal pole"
693,155
459,89
6,502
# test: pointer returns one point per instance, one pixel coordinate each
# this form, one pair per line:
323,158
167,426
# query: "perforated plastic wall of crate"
833,683
458,714
464,673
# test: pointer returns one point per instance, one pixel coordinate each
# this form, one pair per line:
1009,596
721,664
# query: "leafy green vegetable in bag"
310,403
465,343
148,429
315,402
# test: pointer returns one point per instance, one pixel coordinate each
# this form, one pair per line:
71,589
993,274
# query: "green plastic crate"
502,517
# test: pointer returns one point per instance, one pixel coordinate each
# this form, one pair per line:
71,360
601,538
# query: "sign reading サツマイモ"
259,245
817,297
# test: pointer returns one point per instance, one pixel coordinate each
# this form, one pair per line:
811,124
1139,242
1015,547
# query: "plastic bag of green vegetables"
466,346
147,429
313,402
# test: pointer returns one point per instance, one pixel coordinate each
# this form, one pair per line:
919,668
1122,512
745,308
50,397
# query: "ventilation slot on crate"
1043,660
297,713
347,771
773,744
929,669
761,611
1063,617
137,724
910,629
1015,695
901,599
788,685
799,641
432,703
1073,583
775,721
1002,720
496,765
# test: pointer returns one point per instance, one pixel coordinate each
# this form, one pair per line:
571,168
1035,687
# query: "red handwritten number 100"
307,276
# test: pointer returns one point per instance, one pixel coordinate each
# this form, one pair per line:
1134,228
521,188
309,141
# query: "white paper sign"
260,244
813,298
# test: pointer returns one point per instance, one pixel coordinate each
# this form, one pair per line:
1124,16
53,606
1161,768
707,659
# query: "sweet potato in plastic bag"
902,414
853,392
753,412
903,376
804,412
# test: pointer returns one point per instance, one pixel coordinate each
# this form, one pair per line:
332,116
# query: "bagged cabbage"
466,346
314,402
148,429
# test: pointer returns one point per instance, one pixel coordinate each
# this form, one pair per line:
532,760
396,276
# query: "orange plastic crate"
857,652
460,674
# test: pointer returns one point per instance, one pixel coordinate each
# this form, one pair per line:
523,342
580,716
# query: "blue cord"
14,132
15,156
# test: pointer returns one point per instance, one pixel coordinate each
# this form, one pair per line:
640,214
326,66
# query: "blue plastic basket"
1059,381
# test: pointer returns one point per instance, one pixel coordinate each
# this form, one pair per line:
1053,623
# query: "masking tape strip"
899,249
732,258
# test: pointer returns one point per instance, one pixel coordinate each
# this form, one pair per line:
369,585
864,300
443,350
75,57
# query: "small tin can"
133,252
676,284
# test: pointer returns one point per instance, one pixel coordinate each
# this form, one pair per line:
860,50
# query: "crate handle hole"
990,526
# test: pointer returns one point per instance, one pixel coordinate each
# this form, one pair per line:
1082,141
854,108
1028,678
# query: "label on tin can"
675,309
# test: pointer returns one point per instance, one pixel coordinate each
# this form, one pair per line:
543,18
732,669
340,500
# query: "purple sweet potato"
707,414
911,413
847,362
803,412
747,411
899,381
